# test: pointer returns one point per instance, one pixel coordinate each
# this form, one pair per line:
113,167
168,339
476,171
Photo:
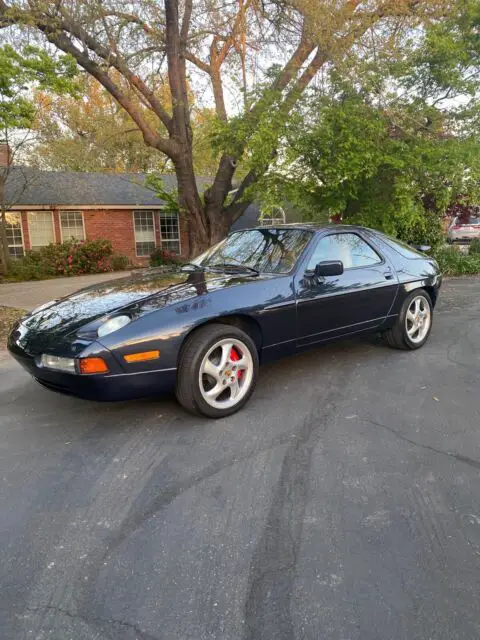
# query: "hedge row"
69,258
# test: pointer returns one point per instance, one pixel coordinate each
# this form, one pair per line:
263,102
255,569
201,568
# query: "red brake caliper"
234,357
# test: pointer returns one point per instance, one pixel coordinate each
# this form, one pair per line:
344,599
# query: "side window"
350,248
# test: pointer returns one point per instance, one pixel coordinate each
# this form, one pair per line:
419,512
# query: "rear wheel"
414,322
217,372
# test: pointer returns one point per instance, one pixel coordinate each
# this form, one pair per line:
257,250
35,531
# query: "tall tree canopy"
128,46
22,70
96,134
394,138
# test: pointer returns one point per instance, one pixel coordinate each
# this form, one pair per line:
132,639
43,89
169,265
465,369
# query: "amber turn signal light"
92,365
143,356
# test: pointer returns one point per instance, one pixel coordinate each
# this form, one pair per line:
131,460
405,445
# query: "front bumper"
109,387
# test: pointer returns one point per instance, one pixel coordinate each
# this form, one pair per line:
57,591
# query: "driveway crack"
451,454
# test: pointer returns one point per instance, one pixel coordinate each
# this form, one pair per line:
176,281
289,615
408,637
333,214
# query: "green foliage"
449,56
161,257
475,246
93,134
426,229
453,262
259,130
170,198
30,268
22,70
119,263
69,258
393,139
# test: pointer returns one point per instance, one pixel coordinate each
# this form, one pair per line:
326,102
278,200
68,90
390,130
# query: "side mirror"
329,268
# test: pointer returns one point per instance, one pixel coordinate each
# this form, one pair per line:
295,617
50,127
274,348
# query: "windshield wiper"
232,265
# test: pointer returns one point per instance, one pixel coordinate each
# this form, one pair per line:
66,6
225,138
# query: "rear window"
400,247
473,221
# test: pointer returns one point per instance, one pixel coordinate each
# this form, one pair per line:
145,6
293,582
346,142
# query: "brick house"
49,207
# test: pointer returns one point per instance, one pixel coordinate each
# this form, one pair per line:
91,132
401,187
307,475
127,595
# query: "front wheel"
414,322
217,372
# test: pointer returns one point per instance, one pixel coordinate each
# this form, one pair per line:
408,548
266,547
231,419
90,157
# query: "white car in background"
464,232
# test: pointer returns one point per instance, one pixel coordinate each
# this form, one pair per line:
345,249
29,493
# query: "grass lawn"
8,316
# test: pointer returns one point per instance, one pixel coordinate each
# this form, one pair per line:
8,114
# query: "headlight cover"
58,363
114,324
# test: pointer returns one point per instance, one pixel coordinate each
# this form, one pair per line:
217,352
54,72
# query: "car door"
358,300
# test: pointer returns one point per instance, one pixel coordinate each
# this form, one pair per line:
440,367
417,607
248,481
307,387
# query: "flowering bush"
160,257
71,258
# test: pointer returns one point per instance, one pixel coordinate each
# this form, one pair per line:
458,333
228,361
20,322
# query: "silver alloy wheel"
418,319
226,373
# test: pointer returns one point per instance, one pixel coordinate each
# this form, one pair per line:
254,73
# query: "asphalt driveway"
342,504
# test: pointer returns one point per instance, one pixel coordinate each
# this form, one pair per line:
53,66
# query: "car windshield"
261,250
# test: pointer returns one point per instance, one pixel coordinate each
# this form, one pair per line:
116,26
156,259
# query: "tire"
208,348
399,336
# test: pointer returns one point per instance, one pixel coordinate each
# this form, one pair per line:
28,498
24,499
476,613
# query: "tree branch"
151,137
187,16
191,57
115,61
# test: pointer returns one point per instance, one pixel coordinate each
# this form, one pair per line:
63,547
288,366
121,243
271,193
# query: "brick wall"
5,155
56,226
115,225
26,235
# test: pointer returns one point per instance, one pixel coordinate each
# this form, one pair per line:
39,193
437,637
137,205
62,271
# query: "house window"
40,228
274,217
170,232
144,233
71,224
14,235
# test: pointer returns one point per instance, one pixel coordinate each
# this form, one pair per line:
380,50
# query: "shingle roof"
28,186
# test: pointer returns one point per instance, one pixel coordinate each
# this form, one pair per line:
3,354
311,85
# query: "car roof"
313,226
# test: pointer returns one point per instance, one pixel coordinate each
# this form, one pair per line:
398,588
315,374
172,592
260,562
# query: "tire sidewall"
202,405
406,338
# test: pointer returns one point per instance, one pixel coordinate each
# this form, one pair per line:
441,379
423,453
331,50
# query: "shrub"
119,263
26,269
69,258
454,262
475,246
425,230
160,257
91,256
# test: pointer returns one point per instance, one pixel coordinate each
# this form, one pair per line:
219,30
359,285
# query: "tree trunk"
190,205
219,223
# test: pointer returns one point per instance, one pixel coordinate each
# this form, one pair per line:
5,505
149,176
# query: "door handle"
388,274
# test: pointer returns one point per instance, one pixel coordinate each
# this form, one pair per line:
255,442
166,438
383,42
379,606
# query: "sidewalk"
28,295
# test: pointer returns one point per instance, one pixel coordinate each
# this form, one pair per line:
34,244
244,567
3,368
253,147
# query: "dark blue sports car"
203,328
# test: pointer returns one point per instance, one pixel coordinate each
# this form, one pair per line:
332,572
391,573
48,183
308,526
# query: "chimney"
5,155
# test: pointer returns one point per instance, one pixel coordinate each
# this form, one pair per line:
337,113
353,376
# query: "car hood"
82,312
